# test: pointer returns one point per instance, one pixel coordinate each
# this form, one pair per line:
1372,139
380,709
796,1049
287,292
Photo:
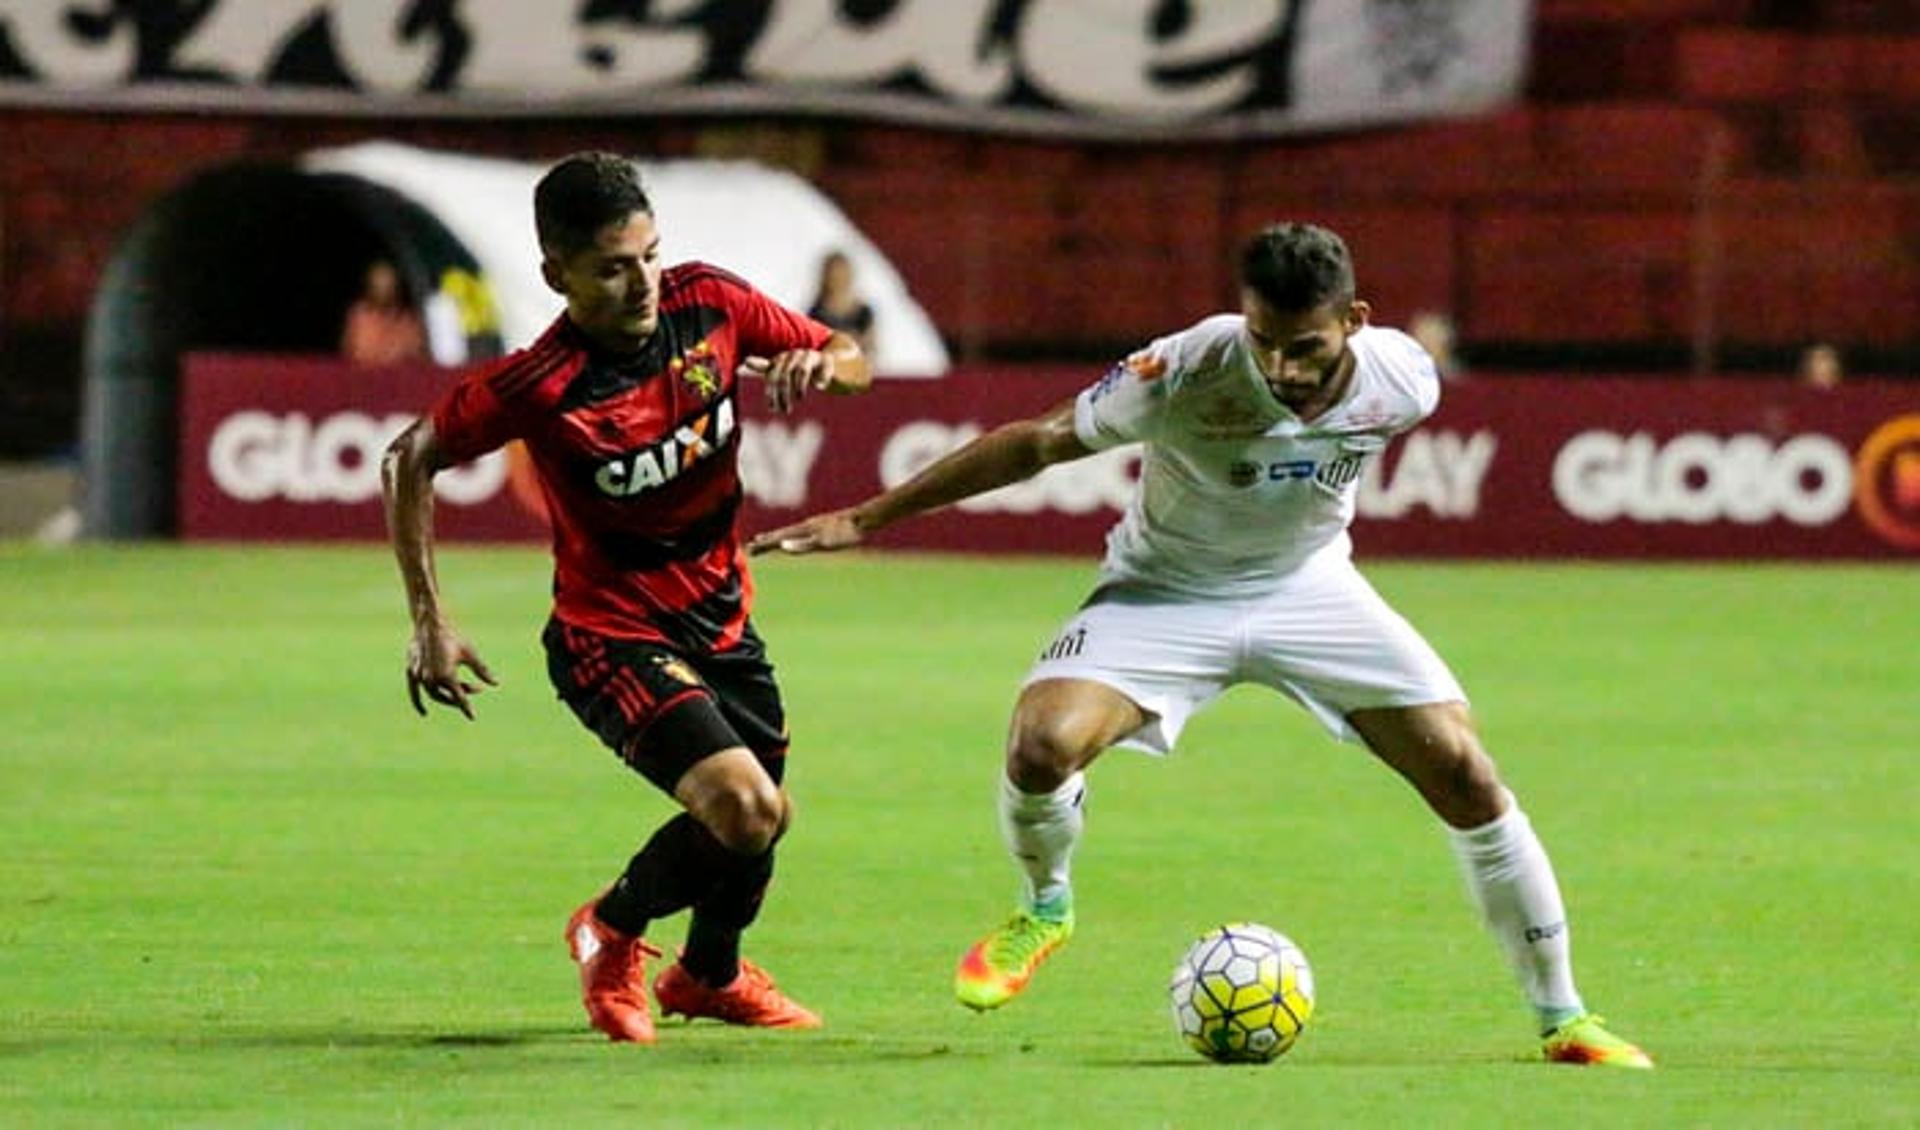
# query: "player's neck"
615,345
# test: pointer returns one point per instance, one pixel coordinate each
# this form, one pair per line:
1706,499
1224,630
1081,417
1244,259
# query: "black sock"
680,866
713,937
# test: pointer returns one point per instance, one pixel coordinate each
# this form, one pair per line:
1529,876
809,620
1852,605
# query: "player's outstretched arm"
437,652
1010,453
839,366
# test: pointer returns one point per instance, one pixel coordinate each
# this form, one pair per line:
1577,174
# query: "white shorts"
1324,639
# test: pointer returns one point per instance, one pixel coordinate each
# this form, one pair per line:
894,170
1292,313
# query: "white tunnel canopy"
765,224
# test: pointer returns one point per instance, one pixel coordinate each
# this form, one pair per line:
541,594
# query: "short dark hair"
1298,267
582,194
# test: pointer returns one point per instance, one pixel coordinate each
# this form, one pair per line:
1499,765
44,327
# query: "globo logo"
257,456
1886,481
1698,478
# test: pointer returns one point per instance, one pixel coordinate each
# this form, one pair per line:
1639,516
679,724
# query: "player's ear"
550,270
1357,314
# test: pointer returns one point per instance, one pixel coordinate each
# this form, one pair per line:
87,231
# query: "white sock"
1040,829
1512,884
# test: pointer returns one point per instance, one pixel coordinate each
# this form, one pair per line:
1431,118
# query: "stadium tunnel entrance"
251,258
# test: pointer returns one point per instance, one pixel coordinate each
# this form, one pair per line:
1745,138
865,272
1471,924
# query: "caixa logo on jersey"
258,456
1699,478
660,463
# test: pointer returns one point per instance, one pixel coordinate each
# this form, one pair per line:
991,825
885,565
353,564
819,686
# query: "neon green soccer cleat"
1585,1040
999,965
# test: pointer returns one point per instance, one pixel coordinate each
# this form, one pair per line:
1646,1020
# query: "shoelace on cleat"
755,993
1591,1030
637,955
1020,941
1579,1023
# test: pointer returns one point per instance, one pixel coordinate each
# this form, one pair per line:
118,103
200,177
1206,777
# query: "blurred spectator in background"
382,327
1434,331
1821,366
838,304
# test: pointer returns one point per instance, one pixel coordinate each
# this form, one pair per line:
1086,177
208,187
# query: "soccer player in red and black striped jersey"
628,408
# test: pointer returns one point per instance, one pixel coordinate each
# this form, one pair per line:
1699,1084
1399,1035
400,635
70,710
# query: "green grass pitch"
241,884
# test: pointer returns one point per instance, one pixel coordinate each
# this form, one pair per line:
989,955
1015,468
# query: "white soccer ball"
1242,994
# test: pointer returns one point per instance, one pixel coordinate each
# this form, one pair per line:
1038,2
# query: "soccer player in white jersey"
1232,565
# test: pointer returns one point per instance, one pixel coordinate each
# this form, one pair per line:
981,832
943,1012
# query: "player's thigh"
1437,749
1166,657
1330,642
644,701
749,700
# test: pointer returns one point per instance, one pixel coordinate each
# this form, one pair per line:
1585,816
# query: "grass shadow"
320,1039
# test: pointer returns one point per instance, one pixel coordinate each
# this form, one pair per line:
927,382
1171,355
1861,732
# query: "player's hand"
434,659
790,375
835,529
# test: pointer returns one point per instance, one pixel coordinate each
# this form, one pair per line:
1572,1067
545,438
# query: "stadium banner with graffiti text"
1118,69
278,448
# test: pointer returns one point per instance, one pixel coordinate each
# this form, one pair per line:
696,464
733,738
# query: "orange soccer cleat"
613,976
752,999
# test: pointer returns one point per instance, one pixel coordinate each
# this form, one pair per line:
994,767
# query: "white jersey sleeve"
1129,403
1404,373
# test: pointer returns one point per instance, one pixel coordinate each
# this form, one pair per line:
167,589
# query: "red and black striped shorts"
661,709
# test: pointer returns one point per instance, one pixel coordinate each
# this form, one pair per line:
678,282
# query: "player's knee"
1043,750
1469,774
746,817
1465,784
786,815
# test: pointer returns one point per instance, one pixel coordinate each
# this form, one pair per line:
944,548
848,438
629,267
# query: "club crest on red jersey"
695,367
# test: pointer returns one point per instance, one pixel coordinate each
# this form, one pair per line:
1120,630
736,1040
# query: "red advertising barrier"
280,448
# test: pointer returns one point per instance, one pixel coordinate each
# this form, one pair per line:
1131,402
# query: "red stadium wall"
273,448
1713,183
1677,167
